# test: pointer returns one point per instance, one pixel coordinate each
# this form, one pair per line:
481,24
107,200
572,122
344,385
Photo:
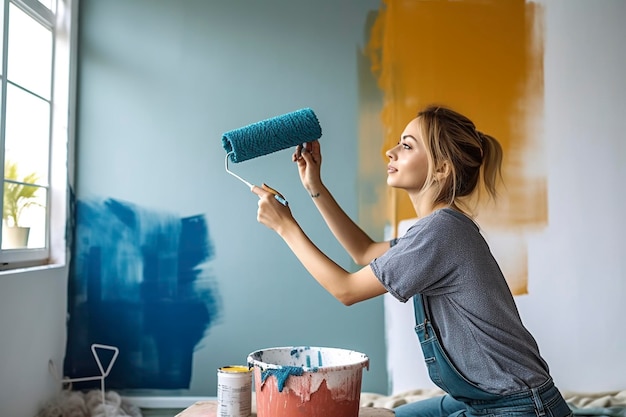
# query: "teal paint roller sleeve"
272,135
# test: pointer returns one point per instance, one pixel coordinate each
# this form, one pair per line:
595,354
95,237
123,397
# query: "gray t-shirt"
445,257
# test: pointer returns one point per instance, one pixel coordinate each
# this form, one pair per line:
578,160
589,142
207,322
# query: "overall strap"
421,311
420,308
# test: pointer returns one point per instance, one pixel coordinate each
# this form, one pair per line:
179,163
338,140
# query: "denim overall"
468,399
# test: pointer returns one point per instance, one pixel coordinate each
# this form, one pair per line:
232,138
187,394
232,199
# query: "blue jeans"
440,406
546,402
465,398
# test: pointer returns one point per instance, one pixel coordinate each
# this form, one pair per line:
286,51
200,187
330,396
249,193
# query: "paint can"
307,381
234,391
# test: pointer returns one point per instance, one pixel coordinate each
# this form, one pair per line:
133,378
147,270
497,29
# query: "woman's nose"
389,153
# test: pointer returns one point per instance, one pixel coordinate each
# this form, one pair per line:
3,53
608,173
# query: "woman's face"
408,160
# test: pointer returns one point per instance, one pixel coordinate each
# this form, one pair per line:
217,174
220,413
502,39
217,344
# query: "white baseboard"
164,402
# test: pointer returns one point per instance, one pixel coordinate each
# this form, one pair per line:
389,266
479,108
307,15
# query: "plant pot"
15,237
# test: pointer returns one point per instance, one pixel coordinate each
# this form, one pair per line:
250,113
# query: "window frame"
63,25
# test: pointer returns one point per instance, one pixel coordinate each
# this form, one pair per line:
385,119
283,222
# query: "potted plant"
18,195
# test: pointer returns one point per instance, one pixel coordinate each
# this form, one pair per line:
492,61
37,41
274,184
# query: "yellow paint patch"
484,59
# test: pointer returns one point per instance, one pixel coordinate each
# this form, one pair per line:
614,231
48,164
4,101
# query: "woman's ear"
443,171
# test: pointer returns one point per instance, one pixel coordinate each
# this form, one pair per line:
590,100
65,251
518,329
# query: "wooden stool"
209,409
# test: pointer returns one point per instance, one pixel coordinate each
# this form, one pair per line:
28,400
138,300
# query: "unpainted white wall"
33,308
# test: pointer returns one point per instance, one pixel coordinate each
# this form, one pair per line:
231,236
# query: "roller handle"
278,196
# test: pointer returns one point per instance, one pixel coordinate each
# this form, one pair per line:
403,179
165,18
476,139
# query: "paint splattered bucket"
307,381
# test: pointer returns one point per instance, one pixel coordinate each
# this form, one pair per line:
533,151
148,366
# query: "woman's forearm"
346,287
356,242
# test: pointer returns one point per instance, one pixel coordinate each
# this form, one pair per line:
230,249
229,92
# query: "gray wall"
160,81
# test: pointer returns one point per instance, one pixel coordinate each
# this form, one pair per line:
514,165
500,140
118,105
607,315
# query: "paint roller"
269,136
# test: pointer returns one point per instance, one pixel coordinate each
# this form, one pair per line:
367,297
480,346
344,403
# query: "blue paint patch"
281,374
138,282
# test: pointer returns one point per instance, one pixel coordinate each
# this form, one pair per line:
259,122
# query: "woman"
473,340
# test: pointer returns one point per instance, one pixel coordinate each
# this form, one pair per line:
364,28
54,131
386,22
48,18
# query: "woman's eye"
403,145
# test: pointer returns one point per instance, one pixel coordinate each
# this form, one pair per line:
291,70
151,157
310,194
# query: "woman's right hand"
308,156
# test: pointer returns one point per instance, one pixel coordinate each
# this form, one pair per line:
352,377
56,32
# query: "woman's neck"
423,204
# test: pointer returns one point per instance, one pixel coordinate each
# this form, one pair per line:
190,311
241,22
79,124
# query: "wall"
576,264
579,259
576,285
159,82
32,323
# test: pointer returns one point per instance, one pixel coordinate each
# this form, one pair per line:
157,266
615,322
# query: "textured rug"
610,404
89,404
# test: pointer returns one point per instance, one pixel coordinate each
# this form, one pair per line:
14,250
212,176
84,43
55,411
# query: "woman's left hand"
271,212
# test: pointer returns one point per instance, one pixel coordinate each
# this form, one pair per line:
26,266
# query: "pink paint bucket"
307,381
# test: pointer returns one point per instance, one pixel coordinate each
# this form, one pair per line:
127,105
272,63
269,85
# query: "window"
35,120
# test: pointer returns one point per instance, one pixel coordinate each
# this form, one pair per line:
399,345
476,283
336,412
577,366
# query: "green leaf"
18,195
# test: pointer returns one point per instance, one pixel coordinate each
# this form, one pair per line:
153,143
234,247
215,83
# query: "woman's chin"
391,182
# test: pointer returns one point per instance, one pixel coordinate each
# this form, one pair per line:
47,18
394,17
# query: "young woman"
473,340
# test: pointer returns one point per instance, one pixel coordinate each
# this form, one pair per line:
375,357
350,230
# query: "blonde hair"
463,153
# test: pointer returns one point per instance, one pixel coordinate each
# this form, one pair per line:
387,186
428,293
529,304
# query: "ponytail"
492,162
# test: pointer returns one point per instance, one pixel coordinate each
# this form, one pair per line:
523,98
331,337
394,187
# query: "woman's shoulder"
449,214
445,221
449,217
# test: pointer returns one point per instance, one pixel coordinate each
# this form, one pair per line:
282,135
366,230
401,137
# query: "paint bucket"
234,391
307,381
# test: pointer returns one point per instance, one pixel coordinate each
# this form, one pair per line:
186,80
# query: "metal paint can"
234,391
